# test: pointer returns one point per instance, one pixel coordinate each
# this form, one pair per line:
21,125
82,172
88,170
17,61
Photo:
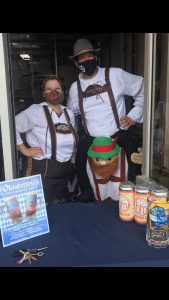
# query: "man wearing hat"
106,168
99,97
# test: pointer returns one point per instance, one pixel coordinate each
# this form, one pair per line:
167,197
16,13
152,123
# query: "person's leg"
54,176
54,189
35,167
130,145
80,165
80,162
57,180
48,188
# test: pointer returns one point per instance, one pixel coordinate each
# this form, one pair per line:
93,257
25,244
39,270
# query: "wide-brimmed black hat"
82,46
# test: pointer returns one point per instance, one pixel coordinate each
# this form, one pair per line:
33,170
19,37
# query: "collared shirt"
33,123
98,112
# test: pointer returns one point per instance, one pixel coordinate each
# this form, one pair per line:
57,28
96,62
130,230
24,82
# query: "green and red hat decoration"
103,147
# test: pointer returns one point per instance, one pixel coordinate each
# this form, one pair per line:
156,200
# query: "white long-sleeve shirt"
98,112
33,123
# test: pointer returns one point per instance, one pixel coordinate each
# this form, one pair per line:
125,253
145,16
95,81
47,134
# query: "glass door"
159,167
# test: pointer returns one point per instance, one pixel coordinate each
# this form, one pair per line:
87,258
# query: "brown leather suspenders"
95,90
80,97
53,132
75,135
111,97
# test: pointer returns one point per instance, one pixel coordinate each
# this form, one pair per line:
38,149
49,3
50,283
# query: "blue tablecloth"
89,234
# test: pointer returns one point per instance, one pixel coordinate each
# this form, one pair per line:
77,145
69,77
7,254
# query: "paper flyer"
22,209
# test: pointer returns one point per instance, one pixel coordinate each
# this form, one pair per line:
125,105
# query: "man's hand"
137,157
126,122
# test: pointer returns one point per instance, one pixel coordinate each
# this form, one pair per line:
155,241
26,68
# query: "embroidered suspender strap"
52,132
94,178
103,180
111,96
122,169
94,89
75,135
80,96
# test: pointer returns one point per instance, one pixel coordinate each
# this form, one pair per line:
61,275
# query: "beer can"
159,193
126,201
142,192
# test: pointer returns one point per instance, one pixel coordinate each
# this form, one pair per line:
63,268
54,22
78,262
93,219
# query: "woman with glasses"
50,139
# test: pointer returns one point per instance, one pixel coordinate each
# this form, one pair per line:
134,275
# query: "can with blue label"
157,231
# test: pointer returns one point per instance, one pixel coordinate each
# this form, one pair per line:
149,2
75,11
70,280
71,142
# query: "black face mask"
88,67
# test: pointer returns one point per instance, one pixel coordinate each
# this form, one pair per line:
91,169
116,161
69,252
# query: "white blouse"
32,121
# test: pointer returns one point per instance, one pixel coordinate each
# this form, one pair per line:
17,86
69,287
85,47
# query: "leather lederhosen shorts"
47,168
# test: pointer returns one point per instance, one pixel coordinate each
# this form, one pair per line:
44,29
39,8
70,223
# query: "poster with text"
22,209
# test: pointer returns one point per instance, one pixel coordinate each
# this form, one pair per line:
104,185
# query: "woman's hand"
126,122
30,152
34,151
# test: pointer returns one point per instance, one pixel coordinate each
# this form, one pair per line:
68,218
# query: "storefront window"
32,59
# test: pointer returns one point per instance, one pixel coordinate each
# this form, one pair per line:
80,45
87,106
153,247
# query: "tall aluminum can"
126,201
142,192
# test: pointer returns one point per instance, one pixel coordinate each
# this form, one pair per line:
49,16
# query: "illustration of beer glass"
31,205
14,210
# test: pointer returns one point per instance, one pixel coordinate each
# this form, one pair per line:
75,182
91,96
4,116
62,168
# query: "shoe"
75,198
86,196
62,200
59,200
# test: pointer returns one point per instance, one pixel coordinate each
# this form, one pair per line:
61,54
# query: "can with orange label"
126,201
142,192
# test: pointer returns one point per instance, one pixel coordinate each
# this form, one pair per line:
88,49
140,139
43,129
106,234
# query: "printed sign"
22,209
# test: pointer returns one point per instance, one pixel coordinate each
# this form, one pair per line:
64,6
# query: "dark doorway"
34,56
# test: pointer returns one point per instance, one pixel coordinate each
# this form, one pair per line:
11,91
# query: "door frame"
149,89
6,113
